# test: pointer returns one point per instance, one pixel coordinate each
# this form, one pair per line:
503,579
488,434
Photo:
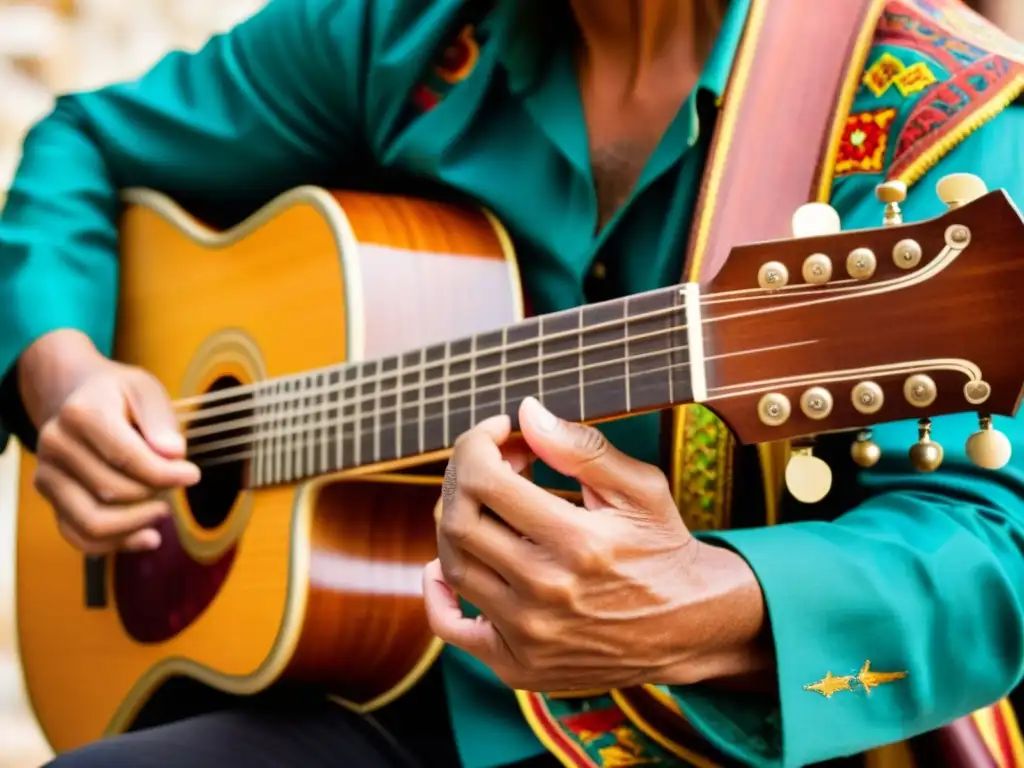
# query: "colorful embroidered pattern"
946,107
882,73
914,78
980,80
705,470
865,680
864,142
590,734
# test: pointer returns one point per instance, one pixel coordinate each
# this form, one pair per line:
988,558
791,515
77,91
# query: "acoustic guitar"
325,354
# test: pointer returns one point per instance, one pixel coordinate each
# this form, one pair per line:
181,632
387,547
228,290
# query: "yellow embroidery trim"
930,159
831,684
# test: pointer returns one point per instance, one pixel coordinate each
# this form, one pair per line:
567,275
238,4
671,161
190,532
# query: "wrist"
722,624
51,368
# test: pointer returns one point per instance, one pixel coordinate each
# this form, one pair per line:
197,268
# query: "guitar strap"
773,150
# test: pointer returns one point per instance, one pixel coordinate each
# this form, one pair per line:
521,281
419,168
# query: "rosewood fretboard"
603,360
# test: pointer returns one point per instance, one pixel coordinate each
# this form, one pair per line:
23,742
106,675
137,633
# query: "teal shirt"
926,576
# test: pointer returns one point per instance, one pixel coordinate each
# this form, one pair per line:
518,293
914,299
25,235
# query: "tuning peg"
926,454
865,451
814,219
808,478
988,448
958,189
892,193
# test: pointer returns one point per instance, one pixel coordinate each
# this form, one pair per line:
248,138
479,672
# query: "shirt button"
599,271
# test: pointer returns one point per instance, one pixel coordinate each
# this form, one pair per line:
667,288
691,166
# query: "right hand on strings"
106,451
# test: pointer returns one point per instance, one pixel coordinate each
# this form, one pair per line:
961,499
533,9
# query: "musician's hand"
104,454
611,595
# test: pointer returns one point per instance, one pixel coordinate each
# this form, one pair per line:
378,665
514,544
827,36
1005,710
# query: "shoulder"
407,49
935,74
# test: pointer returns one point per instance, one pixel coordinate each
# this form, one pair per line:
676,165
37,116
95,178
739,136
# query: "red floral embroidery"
865,140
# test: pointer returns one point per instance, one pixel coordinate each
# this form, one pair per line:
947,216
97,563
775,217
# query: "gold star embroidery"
830,684
870,679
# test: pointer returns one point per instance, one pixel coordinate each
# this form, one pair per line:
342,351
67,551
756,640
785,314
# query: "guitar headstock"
835,330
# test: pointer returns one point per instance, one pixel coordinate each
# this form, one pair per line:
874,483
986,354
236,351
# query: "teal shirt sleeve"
925,577
273,103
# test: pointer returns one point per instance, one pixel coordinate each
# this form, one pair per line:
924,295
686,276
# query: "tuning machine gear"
926,454
865,451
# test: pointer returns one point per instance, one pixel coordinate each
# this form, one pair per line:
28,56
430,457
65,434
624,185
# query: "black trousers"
291,729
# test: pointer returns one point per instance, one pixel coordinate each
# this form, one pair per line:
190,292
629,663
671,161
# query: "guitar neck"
593,363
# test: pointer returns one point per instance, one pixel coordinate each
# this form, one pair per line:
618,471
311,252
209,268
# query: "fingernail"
171,442
543,418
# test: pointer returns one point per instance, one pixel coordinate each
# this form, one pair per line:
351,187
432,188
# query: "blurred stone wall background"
50,46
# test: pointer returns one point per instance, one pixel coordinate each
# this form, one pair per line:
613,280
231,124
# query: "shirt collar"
532,29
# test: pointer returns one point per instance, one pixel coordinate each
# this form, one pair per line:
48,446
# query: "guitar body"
312,581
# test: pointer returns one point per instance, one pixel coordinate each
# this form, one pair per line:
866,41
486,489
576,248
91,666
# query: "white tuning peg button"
815,219
808,478
959,189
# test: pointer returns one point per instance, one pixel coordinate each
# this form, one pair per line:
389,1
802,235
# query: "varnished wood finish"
365,627
844,332
318,580
284,285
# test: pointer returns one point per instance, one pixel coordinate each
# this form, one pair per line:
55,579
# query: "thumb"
153,415
582,452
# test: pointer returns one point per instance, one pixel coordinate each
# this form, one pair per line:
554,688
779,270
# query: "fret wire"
423,393
579,358
357,439
336,416
300,423
292,422
278,458
311,426
377,386
540,358
398,407
625,338
322,422
472,381
444,405
295,404
504,366
350,407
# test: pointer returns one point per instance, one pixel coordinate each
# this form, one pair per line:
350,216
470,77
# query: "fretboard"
595,362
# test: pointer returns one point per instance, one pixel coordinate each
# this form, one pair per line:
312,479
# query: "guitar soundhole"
221,450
